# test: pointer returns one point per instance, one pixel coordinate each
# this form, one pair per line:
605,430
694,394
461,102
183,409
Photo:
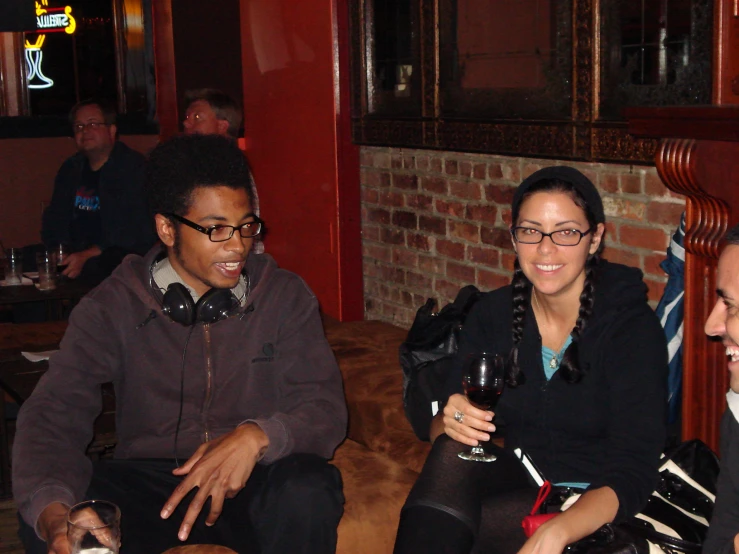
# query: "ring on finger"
459,416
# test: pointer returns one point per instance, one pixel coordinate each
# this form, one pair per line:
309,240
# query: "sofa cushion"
375,488
367,352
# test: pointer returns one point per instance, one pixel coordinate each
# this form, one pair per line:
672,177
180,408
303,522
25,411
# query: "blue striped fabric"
670,312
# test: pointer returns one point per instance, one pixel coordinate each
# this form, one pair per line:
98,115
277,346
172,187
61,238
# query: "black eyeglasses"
221,233
92,125
563,237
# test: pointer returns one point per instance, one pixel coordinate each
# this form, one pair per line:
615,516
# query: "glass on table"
46,266
94,527
61,251
483,381
13,266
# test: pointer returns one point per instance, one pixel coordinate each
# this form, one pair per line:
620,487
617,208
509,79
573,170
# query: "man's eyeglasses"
563,237
221,233
91,125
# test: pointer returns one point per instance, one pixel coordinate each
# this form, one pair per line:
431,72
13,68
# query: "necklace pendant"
553,363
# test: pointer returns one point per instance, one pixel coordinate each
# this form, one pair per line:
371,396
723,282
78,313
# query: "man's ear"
222,125
113,130
165,230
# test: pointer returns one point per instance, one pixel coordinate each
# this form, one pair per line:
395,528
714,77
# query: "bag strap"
544,491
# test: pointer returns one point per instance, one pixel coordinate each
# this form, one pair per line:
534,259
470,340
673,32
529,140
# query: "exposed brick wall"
433,222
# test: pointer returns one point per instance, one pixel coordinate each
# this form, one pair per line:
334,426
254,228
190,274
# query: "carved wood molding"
560,140
698,158
707,216
679,164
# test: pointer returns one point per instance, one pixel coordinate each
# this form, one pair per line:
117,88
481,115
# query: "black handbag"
426,357
675,519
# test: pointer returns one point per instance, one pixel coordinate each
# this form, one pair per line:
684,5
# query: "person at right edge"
723,324
585,393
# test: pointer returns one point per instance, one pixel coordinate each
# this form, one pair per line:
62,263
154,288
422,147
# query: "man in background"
213,112
723,324
98,208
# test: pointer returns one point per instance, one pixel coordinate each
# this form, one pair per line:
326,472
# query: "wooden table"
19,377
66,294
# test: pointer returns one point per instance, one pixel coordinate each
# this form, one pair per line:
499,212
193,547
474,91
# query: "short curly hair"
181,164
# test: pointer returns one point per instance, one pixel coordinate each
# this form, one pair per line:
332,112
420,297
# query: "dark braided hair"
569,366
521,300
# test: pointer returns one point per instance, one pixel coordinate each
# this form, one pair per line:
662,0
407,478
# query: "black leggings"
458,506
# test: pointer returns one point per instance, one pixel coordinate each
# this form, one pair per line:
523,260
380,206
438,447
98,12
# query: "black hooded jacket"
607,430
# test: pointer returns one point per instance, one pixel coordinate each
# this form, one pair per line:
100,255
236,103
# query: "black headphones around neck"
214,305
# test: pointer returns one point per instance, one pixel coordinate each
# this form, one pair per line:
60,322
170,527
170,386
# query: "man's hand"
52,525
75,262
736,544
220,469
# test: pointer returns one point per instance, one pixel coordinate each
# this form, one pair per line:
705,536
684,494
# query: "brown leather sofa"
381,458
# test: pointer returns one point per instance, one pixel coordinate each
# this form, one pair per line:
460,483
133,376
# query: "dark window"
88,48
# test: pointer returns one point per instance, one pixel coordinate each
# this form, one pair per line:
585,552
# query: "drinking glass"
46,266
483,381
94,527
13,266
61,251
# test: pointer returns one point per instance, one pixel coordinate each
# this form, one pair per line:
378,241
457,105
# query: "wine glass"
483,382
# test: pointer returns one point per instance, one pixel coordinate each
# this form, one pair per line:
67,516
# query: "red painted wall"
297,133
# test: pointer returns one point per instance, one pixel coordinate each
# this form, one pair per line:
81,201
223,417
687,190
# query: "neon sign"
48,20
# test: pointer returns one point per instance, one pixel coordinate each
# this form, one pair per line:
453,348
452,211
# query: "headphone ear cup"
214,305
178,305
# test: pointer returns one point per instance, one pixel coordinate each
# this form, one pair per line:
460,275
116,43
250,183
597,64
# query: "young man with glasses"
229,401
98,208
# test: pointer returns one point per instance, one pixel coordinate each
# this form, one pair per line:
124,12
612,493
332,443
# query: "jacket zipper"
209,380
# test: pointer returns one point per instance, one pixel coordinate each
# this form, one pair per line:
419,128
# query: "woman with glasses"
585,390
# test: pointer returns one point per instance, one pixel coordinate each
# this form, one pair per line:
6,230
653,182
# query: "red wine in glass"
483,382
485,398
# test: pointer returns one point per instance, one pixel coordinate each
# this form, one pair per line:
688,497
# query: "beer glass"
94,527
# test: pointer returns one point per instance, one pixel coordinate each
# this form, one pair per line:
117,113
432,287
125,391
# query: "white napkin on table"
24,281
38,356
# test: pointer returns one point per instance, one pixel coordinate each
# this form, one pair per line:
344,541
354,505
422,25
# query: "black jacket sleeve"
634,353
725,522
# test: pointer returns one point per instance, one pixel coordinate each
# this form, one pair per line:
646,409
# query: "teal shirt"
547,354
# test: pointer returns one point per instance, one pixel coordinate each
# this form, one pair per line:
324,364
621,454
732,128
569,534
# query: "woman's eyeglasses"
563,237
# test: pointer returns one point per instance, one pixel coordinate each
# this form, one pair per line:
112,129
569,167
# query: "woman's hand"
549,538
592,510
475,424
